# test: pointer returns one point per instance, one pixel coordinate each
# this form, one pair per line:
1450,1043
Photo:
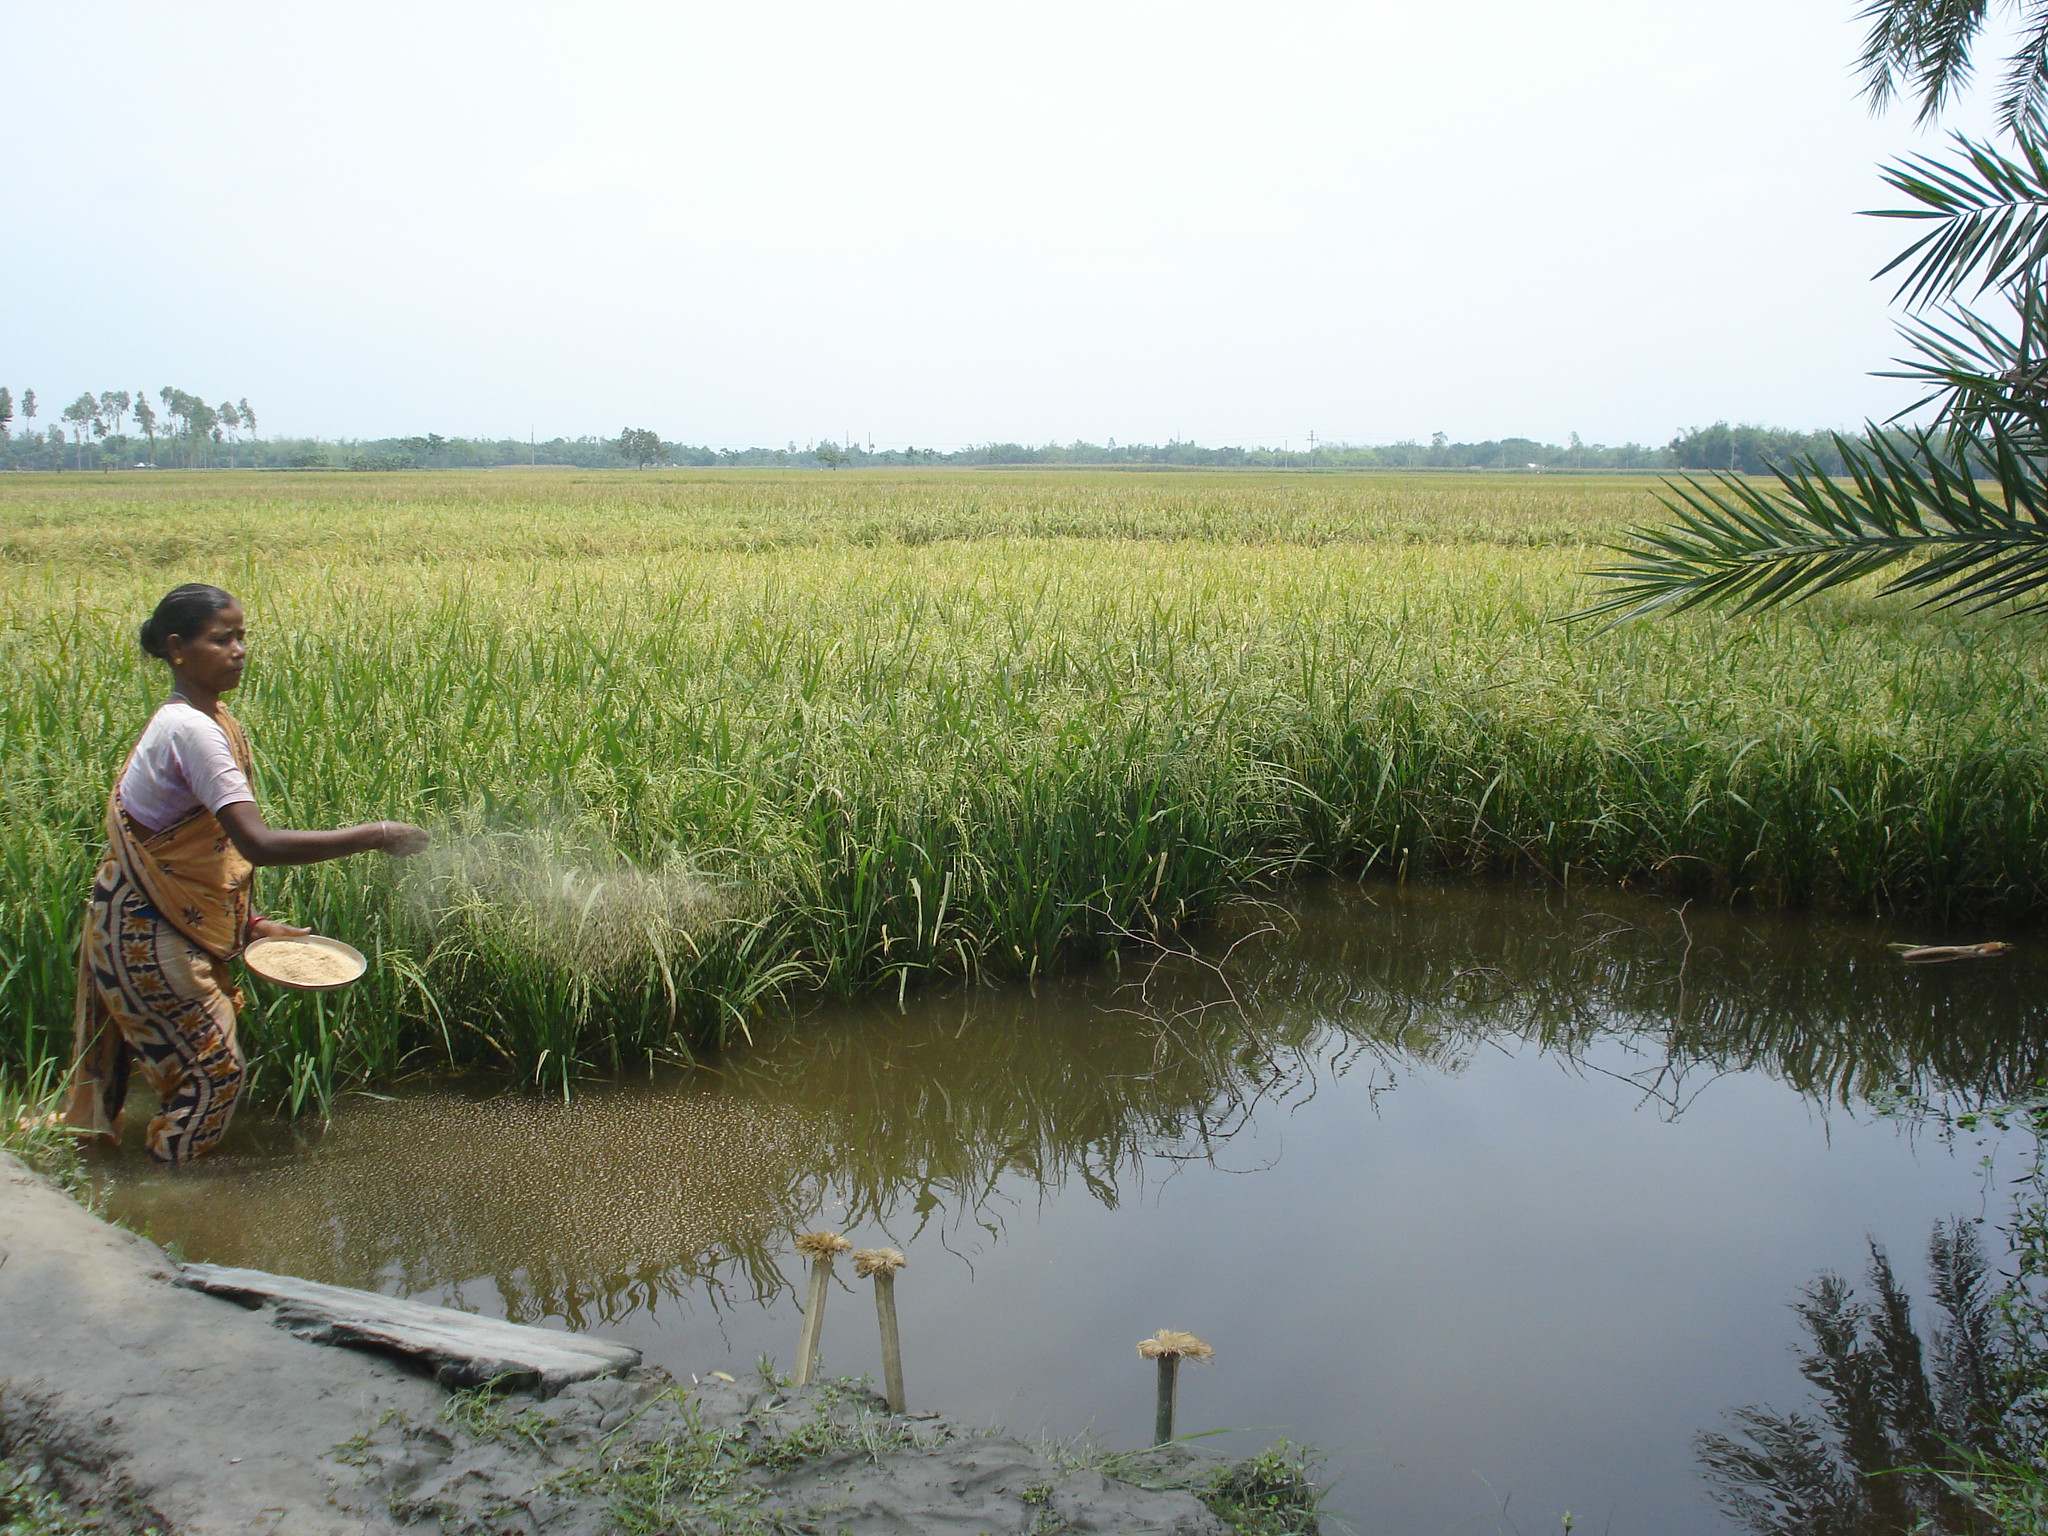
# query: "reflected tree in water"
1894,1413
1430,978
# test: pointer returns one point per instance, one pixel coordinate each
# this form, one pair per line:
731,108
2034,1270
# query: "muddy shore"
163,1408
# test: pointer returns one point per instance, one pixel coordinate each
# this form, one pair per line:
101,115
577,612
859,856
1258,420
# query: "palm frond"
1921,46
1980,373
1912,498
2021,107
1992,210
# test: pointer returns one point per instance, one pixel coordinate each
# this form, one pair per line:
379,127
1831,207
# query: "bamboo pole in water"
1162,1413
818,1247
882,1264
1169,1348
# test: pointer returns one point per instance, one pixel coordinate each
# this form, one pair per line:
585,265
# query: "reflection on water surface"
1498,1196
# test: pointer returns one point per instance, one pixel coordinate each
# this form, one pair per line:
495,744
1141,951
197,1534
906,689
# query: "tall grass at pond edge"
695,743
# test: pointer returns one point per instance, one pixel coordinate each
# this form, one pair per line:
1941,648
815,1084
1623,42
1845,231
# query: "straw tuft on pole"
819,1248
877,1261
821,1245
1169,1347
881,1265
1167,1342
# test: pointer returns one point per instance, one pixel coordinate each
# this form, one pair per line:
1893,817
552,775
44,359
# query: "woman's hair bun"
183,611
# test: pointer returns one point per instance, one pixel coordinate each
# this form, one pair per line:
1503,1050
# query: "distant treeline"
193,436
92,431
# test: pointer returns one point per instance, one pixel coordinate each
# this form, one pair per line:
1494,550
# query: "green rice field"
698,744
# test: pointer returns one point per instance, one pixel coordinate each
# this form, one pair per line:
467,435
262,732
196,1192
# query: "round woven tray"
286,962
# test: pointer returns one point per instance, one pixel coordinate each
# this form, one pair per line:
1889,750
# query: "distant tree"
205,421
82,413
6,410
175,401
102,429
424,449
248,418
640,447
230,420
107,421
145,417
28,405
193,420
827,453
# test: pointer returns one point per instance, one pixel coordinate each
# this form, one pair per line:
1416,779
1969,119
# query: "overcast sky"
948,223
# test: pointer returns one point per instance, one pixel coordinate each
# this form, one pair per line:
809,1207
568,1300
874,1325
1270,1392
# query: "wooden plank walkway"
457,1349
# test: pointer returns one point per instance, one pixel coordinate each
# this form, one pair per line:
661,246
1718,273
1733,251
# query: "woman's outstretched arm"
263,844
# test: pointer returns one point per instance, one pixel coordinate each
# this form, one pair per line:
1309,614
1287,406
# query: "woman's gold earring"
177,661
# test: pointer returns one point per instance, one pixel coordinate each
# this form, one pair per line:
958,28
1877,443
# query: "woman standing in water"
170,904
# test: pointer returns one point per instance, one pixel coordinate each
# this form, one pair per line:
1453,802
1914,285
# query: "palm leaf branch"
2020,109
1911,498
1922,44
1992,213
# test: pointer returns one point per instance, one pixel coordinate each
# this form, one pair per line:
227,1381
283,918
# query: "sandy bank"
211,1417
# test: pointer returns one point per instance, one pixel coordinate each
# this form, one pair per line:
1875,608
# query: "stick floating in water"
1169,1348
882,1264
1927,954
819,1248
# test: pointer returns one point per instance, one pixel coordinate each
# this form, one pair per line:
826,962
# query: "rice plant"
697,742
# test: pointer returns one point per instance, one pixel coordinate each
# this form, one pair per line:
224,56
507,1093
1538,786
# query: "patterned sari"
169,909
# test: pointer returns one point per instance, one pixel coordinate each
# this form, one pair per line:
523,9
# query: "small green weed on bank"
33,1504
30,1132
714,1478
29,1507
1277,1492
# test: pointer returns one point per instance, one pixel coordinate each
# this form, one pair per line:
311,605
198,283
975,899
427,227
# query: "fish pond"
1498,1197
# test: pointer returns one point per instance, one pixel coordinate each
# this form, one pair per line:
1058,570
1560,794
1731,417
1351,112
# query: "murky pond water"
1499,1197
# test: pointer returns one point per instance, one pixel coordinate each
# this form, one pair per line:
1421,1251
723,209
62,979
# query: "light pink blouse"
182,763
